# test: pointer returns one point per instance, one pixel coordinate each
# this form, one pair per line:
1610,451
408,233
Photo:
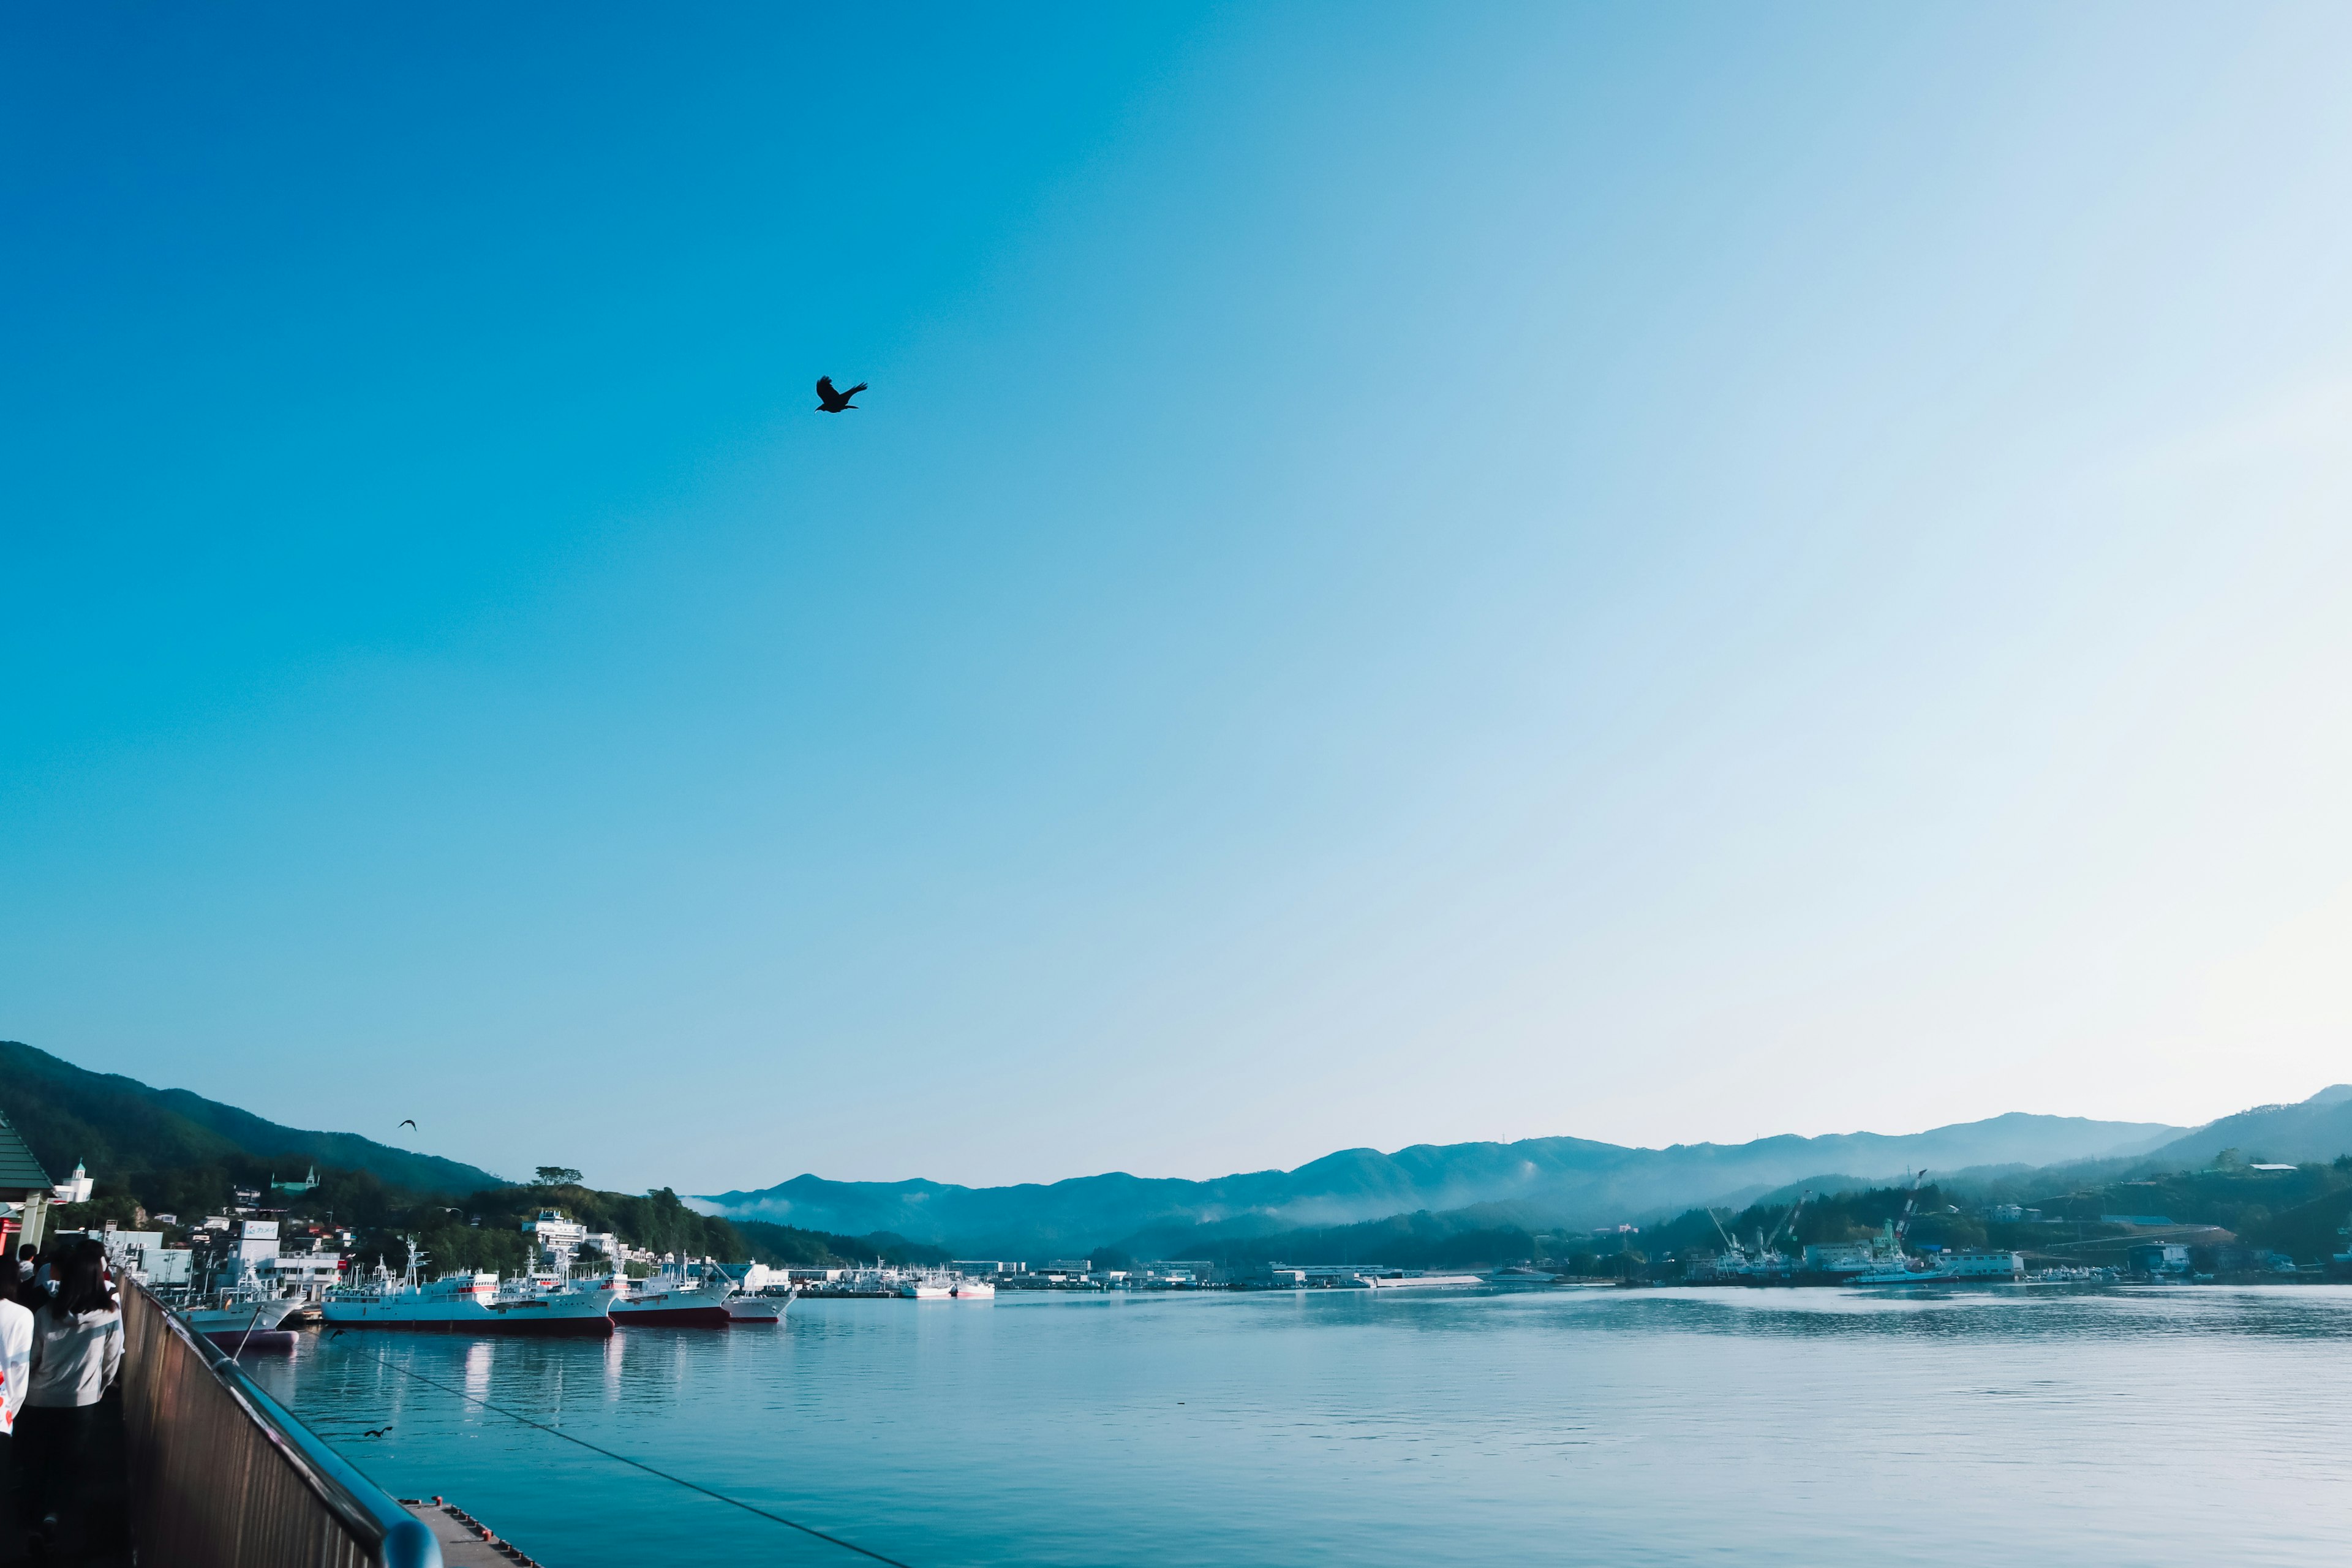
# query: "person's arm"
113,1352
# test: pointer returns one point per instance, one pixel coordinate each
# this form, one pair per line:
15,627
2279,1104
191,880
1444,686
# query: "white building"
1982,1265
558,1240
257,1246
74,1189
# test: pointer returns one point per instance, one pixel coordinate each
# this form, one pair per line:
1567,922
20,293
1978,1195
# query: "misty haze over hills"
1571,1181
117,1124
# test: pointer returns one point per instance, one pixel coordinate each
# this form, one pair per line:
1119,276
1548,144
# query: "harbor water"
2145,1427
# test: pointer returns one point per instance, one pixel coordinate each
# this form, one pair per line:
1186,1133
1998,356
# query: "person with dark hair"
77,1354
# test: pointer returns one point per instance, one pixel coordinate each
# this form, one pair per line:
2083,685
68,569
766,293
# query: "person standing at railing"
15,1373
77,1354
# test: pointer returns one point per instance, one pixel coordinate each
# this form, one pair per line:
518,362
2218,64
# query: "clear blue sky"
1407,573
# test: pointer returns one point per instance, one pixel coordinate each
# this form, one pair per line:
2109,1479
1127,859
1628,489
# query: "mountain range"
115,1125
1537,1182
119,1125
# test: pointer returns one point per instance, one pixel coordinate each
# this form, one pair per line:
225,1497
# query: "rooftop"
19,1171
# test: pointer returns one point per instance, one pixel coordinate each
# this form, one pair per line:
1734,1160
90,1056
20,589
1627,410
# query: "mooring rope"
641,1465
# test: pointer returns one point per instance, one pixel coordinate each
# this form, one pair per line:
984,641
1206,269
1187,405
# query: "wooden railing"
222,1477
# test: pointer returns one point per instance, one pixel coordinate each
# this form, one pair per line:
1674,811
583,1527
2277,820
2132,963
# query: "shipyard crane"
1790,1218
1903,1226
1728,1245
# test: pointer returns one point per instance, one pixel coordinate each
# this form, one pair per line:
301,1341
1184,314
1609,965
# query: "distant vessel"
924,1288
471,1302
1520,1274
1974,1268
971,1290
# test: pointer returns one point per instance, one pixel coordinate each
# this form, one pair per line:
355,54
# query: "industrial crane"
1791,1217
1902,1227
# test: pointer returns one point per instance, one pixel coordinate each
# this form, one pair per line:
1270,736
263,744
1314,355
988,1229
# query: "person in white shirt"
15,1361
15,1373
76,1352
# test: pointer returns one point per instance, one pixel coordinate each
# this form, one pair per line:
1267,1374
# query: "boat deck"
465,1542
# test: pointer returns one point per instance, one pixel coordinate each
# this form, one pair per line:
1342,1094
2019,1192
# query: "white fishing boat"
471,1302
242,1317
692,1296
965,1289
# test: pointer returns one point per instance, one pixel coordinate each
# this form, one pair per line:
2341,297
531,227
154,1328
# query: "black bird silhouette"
408,1121
831,402
379,1431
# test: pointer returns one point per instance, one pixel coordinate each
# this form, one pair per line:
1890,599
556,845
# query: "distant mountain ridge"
2319,1127
117,1124
1572,1180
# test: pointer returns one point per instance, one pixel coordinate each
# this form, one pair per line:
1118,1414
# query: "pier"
222,1476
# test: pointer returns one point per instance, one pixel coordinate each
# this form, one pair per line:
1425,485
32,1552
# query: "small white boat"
743,1310
243,1318
971,1290
923,1290
1520,1274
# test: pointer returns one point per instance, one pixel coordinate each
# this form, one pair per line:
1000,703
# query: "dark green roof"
19,1172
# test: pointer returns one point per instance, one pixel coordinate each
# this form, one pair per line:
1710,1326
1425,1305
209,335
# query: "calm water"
1800,1427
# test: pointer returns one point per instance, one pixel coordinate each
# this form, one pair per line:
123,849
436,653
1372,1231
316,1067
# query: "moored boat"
680,1297
245,1318
471,1302
743,1310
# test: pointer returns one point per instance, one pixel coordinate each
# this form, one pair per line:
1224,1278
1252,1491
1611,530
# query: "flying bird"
408,1121
831,402
379,1431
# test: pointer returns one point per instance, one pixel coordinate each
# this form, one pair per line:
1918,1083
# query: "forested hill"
2319,1127
1570,1180
118,1125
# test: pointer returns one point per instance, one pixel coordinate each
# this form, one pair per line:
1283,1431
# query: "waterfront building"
311,1273
256,1244
557,1239
2158,1260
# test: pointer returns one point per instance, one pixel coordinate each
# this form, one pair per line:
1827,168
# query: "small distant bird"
377,1432
831,402
336,1335
408,1121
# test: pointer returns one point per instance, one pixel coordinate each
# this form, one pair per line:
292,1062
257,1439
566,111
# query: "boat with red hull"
676,1300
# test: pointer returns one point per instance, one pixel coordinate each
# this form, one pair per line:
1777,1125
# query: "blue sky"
1407,573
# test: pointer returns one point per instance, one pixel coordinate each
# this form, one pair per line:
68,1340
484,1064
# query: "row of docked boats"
479,1302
